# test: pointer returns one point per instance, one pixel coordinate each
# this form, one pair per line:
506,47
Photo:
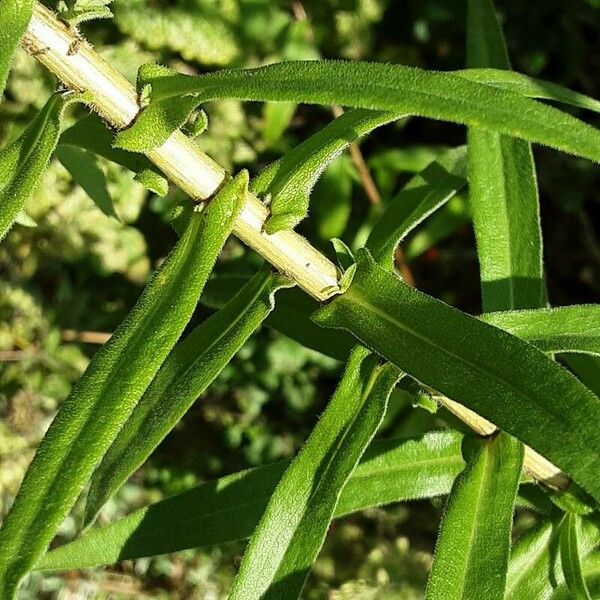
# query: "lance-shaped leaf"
14,19
92,135
562,329
394,470
591,573
290,180
471,555
528,86
504,379
292,529
535,567
502,190
186,373
570,557
103,398
375,86
420,197
23,162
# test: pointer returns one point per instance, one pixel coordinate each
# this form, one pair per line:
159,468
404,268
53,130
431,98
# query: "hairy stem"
80,68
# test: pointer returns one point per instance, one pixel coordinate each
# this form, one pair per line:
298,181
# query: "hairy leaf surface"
377,86
570,557
499,376
292,529
103,398
14,19
471,555
187,372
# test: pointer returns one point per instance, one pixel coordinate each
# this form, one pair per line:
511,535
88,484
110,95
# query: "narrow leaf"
85,170
229,508
530,87
186,373
23,162
292,530
103,398
563,329
377,86
289,181
570,557
420,197
14,20
502,190
504,379
471,555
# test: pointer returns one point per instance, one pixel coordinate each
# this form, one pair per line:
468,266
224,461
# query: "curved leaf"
290,180
419,198
394,470
103,398
14,20
293,527
471,555
186,373
570,557
377,86
504,379
562,329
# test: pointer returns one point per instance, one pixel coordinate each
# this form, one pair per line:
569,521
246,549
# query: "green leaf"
471,555
504,379
23,162
290,180
591,573
84,169
14,20
563,329
90,133
587,368
184,376
535,568
292,529
394,470
570,557
103,398
502,190
75,12
377,86
420,197
530,87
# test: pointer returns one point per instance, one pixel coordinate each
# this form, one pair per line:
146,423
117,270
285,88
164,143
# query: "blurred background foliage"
69,273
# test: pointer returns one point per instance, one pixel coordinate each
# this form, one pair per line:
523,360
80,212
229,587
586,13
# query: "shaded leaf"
471,555
504,379
570,557
293,527
229,508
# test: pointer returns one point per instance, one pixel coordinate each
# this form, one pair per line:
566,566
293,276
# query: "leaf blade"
570,557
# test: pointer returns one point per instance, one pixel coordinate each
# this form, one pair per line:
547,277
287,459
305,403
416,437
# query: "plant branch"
80,68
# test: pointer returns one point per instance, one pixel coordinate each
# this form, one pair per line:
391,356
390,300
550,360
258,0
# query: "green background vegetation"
78,270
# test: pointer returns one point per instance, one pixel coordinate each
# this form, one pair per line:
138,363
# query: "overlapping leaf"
103,398
229,508
292,529
375,86
502,378
186,373
570,557
471,555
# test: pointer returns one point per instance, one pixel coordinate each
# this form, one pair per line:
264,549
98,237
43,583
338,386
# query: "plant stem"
66,54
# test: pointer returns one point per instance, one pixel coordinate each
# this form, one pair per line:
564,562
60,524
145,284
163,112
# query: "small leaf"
563,329
394,470
376,86
103,398
76,12
184,376
85,170
570,557
344,255
499,376
292,529
471,555
425,193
